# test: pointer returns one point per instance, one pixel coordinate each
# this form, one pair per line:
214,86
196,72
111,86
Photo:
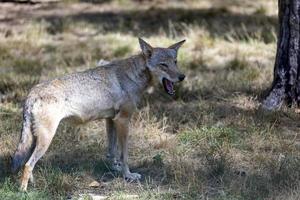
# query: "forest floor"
212,141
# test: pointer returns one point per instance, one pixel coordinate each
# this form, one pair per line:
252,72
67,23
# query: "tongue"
169,86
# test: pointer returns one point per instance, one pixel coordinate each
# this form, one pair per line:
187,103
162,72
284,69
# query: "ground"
212,141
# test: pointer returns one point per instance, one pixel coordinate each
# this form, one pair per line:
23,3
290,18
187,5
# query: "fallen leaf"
94,184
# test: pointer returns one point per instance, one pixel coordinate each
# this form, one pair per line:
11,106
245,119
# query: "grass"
9,191
211,142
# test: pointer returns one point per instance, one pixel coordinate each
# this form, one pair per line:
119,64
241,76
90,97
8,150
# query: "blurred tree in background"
286,83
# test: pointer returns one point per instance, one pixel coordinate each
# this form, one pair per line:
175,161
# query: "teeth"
172,92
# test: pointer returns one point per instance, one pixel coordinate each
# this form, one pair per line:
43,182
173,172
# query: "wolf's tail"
26,143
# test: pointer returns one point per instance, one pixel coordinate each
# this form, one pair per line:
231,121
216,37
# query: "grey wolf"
109,92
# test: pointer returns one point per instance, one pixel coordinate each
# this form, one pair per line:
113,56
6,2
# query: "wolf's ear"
146,48
177,45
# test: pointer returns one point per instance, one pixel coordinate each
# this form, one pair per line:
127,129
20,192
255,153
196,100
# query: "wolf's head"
162,63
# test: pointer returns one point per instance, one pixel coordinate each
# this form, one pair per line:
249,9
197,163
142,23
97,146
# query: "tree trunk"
286,83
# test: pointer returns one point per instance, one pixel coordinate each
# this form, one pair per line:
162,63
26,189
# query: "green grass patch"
261,11
214,136
122,51
237,63
57,183
27,66
9,191
15,89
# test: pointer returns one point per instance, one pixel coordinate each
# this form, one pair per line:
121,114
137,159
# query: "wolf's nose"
181,77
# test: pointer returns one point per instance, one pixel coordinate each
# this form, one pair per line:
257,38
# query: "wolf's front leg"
122,126
112,153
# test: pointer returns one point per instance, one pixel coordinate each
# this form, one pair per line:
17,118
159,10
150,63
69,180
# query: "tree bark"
286,82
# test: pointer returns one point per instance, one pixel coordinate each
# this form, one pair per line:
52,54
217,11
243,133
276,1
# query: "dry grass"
211,142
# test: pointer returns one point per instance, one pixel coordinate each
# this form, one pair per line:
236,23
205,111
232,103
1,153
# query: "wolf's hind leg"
112,153
44,131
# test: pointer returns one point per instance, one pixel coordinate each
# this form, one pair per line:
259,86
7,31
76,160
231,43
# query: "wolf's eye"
175,62
164,65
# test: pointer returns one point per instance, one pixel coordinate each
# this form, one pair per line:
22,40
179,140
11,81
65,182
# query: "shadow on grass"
173,21
95,1
4,167
195,108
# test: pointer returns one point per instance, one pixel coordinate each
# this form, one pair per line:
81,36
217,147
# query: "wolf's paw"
117,166
131,177
23,187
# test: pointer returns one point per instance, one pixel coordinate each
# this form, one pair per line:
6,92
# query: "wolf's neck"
138,77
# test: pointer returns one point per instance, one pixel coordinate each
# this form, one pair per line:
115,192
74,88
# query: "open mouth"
168,86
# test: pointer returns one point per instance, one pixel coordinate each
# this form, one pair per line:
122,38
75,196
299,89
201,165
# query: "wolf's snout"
181,77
